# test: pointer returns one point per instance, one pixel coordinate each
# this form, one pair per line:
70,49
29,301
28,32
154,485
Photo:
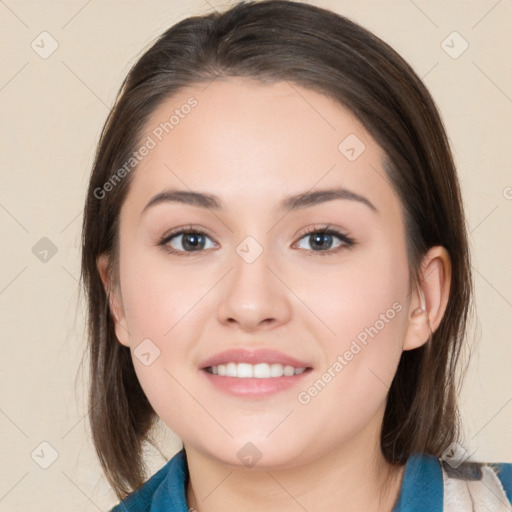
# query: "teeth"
257,371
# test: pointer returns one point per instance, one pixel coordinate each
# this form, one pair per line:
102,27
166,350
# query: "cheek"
163,304
367,291
348,393
158,295
364,307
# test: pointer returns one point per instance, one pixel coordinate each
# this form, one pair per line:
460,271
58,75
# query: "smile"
256,371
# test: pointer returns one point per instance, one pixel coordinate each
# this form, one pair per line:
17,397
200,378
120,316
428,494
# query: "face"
251,270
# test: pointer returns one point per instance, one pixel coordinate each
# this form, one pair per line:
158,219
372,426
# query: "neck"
348,478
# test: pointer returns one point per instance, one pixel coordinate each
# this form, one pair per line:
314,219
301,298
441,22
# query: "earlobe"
418,330
427,309
114,299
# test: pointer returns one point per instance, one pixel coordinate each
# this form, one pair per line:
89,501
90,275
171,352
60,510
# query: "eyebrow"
290,203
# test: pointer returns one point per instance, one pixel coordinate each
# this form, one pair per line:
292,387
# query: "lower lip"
254,388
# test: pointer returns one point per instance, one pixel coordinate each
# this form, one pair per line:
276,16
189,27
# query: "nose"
255,296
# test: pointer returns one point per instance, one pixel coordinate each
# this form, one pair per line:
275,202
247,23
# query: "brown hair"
274,40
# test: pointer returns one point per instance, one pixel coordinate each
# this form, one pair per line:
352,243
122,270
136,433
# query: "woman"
277,267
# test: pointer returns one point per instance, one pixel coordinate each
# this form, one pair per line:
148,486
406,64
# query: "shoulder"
433,484
503,471
477,486
165,490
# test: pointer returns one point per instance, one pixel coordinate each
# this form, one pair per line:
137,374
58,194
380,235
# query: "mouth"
256,371
238,382
254,374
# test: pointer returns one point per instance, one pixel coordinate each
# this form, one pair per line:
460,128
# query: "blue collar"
422,485
421,490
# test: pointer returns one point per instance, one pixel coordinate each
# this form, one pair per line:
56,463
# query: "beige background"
52,111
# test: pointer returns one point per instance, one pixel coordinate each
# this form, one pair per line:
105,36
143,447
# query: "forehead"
240,139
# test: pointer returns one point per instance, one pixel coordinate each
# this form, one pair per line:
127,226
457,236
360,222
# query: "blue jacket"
428,485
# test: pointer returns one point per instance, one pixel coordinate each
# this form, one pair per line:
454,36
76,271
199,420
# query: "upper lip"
244,355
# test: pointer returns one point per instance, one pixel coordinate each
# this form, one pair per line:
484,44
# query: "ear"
114,298
435,282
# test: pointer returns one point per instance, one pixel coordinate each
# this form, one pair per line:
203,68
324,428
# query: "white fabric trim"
484,495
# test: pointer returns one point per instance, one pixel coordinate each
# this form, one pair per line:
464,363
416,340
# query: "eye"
320,240
186,240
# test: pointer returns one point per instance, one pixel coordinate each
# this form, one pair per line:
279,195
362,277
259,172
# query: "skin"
251,145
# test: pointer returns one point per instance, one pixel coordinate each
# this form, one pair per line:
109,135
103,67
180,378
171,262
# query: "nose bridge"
253,293
251,264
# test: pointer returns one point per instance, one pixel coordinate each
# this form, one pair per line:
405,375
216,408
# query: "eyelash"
348,241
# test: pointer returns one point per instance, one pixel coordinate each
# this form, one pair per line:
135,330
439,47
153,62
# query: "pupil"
191,241
319,238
